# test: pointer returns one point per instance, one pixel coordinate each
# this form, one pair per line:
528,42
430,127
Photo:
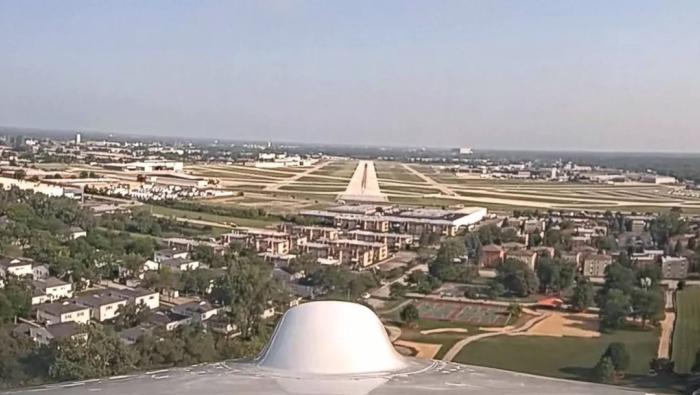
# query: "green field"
686,334
565,357
171,212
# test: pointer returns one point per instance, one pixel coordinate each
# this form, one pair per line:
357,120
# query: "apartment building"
594,265
394,241
674,267
311,233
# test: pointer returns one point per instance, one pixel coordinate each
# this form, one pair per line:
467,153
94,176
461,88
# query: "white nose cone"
331,338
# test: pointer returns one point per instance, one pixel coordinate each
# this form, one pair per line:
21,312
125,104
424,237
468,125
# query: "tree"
696,363
617,352
409,314
397,290
447,267
649,304
130,315
554,275
489,234
19,174
451,251
246,289
614,310
617,277
100,355
515,310
516,277
473,245
604,371
582,297
662,365
607,243
496,289
15,300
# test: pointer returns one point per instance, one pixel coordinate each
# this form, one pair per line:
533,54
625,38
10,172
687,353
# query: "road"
442,188
385,290
195,221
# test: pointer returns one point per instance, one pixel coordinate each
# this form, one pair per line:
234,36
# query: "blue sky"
596,75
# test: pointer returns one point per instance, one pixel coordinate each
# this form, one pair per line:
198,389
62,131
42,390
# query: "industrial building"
146,166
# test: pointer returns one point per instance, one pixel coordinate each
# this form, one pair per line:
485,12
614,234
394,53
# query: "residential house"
170,253
46,334
19,267
59,312
199,311
138,296
54,288
55,332
167,320
40,271
103,306
132,335
179,264
76,233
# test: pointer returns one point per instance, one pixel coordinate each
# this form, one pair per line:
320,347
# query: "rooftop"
60,308
98,299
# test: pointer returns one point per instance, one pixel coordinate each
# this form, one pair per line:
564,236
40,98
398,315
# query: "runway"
363,186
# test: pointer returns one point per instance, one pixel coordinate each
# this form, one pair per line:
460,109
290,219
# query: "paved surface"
363,185
441,187
385,290
286,181
195,221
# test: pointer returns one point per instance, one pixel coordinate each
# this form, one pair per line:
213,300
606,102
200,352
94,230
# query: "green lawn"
447,339
252,222
686,335
565,357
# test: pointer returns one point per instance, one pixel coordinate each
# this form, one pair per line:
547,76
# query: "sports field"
472,314
686,334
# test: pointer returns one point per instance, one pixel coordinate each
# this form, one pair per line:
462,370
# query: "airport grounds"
558,344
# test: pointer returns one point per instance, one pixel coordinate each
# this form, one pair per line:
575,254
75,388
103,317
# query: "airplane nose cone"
331,338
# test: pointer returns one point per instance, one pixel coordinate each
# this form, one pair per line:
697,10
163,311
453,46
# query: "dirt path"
457,347
394,332
424,350
664,350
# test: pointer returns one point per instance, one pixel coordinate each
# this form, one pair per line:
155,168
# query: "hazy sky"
492,74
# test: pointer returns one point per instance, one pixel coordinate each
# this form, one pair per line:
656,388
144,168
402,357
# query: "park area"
468,313
569,357
686,335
